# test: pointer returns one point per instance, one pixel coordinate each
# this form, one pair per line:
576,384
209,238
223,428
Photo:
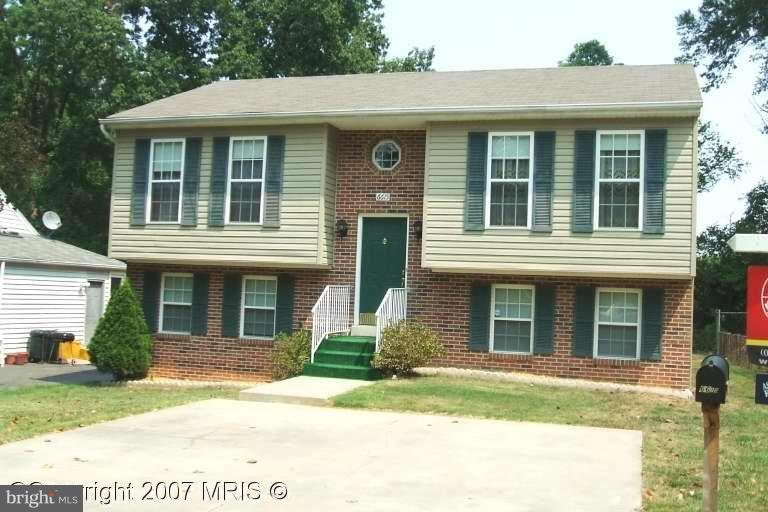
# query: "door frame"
103,304
358,259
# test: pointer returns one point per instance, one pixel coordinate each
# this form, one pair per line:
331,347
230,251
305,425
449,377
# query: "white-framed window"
619,180
617,323
509,187
176,303
166,174
512,318
386,155
245,183
258,304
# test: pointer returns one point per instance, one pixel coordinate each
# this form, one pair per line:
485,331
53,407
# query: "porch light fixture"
417,227
342,228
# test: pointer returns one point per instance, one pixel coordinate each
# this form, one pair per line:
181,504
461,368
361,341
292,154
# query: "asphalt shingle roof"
458,91
38,250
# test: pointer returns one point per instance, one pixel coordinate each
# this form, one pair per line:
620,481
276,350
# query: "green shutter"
200,304
655,176
480,317
583,181
284,306
218,194
543,180
544,320
230,305
273,184
474,202
151,299
652,326
140,182
189,191
583,321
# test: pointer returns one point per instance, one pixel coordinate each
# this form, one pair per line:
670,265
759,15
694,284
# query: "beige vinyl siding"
447,247
328,226
294,243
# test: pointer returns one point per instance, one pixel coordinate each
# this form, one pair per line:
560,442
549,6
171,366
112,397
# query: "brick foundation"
440,300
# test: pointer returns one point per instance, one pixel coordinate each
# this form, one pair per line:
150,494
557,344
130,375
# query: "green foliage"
291,352
122,344
588,53
717,158
417,60
717,35
406,345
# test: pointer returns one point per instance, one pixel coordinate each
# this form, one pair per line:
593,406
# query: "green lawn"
672,432
33,410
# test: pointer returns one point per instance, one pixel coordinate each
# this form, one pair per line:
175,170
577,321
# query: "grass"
29,411
672,431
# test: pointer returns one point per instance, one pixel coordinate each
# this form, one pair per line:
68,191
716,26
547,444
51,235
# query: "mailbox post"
711,387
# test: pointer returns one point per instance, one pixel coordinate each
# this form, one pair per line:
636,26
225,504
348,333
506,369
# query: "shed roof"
34,249
561,88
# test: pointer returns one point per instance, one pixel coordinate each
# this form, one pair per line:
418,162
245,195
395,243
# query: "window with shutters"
617,317
166,172
258,305
508,189
512,319
245,186
176,303
619,186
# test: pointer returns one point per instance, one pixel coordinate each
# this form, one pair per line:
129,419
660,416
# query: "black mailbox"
712,380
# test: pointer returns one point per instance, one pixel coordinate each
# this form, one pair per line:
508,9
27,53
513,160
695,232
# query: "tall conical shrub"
122,344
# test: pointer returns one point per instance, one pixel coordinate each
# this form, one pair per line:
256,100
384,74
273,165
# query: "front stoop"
345,357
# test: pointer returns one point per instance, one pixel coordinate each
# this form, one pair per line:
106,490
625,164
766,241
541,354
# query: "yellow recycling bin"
69,350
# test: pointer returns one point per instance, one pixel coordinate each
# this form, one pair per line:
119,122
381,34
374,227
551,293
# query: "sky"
499,34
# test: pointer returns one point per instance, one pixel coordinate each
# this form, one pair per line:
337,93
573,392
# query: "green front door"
382,261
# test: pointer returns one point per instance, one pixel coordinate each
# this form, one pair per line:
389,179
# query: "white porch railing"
330,314
393,308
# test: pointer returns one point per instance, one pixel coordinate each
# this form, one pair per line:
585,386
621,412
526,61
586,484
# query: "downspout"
2,336
107,134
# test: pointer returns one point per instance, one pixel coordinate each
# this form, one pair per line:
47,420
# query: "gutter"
2,332
481,110
106,132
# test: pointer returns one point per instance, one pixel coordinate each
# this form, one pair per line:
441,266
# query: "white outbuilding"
47,284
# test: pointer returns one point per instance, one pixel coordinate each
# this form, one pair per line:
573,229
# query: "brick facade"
440,300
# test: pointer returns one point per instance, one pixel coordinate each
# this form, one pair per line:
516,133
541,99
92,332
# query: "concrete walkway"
335,459
303,390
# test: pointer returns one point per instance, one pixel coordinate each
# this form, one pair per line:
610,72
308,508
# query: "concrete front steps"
344,357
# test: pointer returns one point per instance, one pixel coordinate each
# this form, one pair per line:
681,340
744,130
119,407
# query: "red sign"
757,302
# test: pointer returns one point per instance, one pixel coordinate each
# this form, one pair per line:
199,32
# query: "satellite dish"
51,220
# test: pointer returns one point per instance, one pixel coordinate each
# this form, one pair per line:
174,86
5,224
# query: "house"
539,220
47,284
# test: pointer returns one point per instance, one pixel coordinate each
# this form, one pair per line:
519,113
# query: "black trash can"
43,345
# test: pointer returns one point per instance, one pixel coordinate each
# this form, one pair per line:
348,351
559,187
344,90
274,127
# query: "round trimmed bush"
406,345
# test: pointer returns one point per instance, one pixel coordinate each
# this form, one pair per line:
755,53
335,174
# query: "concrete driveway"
44,373
336,460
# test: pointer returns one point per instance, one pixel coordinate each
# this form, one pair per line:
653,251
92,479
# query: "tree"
719,34
416,60
588,53
717,158
122,344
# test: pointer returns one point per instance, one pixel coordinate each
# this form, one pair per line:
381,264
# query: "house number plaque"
383,196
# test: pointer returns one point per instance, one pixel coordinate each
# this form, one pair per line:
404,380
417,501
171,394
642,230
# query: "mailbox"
712,380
